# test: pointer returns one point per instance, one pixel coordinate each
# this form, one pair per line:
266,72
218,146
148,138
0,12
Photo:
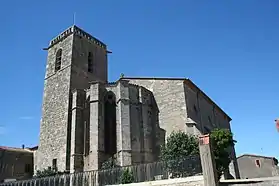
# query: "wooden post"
207,162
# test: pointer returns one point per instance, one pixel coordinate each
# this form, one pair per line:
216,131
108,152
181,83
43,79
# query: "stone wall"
54,123
138,134
206,116
80,77
183,106
55,130
35,156
169,96
189,181
269,181
179,101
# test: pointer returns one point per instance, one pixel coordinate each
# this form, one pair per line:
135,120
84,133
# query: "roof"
187,81
16,149
78,31
256,156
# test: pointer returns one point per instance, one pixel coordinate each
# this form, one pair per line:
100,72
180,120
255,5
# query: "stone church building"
86,119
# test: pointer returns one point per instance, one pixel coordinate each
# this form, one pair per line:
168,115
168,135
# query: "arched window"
110,124
90,62
58,60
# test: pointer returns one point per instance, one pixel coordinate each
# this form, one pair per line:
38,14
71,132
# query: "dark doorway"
110,124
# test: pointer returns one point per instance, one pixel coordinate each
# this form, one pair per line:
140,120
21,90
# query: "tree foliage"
177,148
127,177
222,143
180,145
111,166
110,163
48,172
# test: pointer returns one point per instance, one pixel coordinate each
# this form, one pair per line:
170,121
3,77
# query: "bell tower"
74,59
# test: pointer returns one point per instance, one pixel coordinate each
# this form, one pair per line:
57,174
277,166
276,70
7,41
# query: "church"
86,119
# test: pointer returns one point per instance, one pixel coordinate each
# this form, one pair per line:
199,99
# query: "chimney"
23,146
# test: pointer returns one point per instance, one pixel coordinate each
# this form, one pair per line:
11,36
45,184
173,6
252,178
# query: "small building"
16,163
256,166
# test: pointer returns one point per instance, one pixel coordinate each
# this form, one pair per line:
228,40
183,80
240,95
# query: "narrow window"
110,124
90,62
54,164
257,162
58,60
27,168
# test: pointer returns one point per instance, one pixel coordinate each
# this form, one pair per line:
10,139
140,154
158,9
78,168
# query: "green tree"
110,163
222,143
127,177
178,147
46,172
49,172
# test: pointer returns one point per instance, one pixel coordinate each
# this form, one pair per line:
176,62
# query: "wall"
13,163
54,123
248,168
269,181
206,116
136,105
55,131
188,181
137,127
80,77
169,96
35,168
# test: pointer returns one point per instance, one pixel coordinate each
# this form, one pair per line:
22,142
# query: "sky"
230,49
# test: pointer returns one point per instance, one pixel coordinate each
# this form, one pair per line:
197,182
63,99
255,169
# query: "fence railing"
137,173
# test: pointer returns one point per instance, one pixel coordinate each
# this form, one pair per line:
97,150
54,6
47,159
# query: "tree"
46,172
110,163
179,146
222,143
127,177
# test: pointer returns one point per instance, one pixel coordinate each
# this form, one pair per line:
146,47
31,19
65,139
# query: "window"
90,62
58,60
257,162
27,168
54,164
195,109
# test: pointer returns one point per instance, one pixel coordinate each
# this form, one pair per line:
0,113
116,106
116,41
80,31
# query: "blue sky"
230,49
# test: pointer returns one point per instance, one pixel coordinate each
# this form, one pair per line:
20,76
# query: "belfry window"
90,62
58,60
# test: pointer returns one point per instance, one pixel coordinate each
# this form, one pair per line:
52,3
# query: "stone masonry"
183,106
86,120
55,138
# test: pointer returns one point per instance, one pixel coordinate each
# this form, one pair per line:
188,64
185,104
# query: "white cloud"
26,117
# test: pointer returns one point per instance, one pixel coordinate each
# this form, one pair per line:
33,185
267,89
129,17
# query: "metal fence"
137,173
